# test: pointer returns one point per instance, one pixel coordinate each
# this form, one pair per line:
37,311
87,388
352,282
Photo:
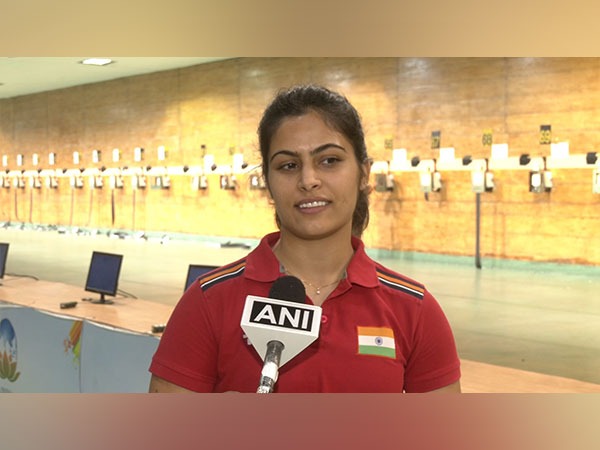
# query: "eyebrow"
313,152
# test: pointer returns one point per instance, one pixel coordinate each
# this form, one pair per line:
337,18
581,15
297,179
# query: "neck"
319,264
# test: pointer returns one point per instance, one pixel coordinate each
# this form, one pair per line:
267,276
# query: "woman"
316,168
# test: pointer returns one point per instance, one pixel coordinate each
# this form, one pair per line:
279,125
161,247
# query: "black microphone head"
288,288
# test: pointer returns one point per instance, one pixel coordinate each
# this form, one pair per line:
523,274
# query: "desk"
126,313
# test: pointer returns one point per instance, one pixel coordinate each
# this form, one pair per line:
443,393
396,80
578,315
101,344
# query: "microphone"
280,326
285,288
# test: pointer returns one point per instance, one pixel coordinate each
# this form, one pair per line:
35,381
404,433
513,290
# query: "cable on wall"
17,206
112,207
72,206
133,212
31,206
90,209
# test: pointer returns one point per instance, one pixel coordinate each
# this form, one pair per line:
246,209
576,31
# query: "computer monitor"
194,271
3,256
103,275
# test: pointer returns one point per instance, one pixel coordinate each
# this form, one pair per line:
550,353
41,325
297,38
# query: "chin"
314,234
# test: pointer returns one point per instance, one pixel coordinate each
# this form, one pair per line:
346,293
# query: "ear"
266,181
268,186
365,169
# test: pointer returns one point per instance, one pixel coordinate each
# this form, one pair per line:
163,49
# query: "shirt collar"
361,269
262,264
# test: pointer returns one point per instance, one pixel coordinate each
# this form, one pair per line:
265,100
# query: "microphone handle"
270,370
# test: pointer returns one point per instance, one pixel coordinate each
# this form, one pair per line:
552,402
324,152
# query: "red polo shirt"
380,332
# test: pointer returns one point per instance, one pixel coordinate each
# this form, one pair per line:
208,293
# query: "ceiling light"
97,61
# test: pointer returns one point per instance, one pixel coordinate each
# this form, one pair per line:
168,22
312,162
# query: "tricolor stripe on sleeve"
400,283
222,274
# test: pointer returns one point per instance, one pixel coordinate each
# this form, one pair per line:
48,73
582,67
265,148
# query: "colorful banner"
39,352
48,353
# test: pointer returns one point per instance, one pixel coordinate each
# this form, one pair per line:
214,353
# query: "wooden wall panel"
209,111
458,97
371,85
215,109
6,126
260,79
66,126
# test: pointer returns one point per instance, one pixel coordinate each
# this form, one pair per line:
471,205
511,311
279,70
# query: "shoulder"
394,281
365,271
249,274
222,274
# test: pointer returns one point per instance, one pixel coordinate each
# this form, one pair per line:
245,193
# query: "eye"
287,166
330,161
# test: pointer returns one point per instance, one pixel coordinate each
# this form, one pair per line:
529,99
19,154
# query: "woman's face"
314,178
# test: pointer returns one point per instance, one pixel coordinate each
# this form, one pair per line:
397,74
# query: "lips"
312,204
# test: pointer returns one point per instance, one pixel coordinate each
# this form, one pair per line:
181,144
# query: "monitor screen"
3,255
103,275
194,271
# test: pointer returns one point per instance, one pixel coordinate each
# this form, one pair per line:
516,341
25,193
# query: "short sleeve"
187,351
434,361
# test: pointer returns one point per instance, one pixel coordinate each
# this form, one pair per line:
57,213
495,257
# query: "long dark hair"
337,112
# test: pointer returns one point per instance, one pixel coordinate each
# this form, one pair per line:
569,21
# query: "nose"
309,178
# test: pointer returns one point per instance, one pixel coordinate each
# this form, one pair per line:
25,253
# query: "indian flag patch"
378,341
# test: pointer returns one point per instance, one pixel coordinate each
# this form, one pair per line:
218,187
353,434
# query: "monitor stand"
100,301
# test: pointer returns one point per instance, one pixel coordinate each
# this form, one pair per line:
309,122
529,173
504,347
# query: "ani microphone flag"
378,341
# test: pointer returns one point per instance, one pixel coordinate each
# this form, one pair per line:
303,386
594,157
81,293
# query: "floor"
542,318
